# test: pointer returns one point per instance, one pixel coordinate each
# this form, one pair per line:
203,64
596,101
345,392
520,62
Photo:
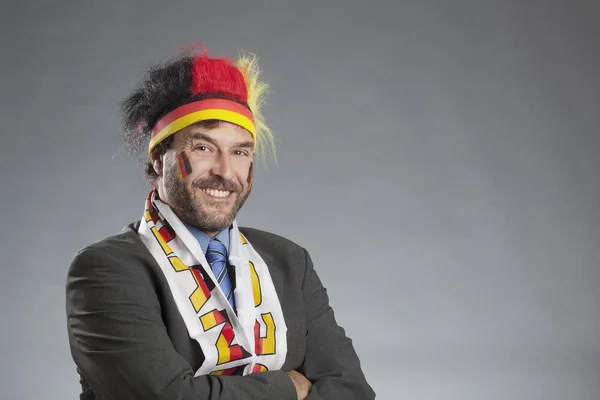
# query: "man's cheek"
183,165
250,174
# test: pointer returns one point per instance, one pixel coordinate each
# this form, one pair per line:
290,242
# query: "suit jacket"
129,341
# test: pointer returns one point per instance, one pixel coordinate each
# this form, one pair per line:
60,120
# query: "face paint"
250,173
183,162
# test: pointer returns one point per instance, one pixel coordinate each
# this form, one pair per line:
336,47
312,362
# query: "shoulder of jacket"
259,238
122,245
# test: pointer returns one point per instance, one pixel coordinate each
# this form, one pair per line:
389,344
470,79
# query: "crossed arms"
122,347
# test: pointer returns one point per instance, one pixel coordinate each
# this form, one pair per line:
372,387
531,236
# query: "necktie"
216,255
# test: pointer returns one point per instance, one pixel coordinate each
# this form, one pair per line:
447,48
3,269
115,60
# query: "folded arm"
331,363
121,346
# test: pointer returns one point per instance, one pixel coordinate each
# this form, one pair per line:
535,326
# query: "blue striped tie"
216,255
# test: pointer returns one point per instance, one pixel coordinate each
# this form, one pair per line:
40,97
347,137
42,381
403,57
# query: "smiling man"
184,303
209,195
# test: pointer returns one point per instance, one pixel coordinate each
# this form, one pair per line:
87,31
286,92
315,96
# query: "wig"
192,87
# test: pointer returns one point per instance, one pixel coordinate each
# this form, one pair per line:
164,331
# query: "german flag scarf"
254,339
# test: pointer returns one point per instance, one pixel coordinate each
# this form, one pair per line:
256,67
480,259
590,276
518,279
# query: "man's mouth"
216,193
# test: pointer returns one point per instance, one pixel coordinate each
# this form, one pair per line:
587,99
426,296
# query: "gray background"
457,138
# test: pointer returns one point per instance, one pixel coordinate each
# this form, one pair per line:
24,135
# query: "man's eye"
201,148
239,153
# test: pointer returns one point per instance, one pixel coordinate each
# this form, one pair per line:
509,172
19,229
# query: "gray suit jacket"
129,341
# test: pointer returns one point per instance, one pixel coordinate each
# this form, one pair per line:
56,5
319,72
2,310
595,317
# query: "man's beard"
190,209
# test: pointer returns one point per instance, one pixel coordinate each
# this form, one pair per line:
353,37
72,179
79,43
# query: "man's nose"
222,167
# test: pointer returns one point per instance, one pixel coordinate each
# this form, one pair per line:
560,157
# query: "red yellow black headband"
188,114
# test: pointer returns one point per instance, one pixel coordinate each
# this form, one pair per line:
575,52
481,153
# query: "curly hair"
169,85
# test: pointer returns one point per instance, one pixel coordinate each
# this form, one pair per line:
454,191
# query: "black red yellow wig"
194,87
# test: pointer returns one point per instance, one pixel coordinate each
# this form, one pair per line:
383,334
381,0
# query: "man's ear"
157,163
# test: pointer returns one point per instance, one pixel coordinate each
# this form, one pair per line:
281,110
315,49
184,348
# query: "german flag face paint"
250,174
183,164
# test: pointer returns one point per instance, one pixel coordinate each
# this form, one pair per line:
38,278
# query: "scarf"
254,339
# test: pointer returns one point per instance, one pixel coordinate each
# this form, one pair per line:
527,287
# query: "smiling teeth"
216,193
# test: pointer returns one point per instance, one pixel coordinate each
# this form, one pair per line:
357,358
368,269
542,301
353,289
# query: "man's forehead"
215,131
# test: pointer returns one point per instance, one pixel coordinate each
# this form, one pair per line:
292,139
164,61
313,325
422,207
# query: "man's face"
206,175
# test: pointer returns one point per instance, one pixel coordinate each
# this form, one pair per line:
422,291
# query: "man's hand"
302,384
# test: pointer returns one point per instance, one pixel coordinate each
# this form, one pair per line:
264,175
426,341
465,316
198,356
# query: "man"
184,304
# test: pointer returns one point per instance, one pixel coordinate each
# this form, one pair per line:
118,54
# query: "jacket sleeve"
121,347
330,363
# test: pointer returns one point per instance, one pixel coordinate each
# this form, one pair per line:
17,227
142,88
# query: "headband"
191,113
